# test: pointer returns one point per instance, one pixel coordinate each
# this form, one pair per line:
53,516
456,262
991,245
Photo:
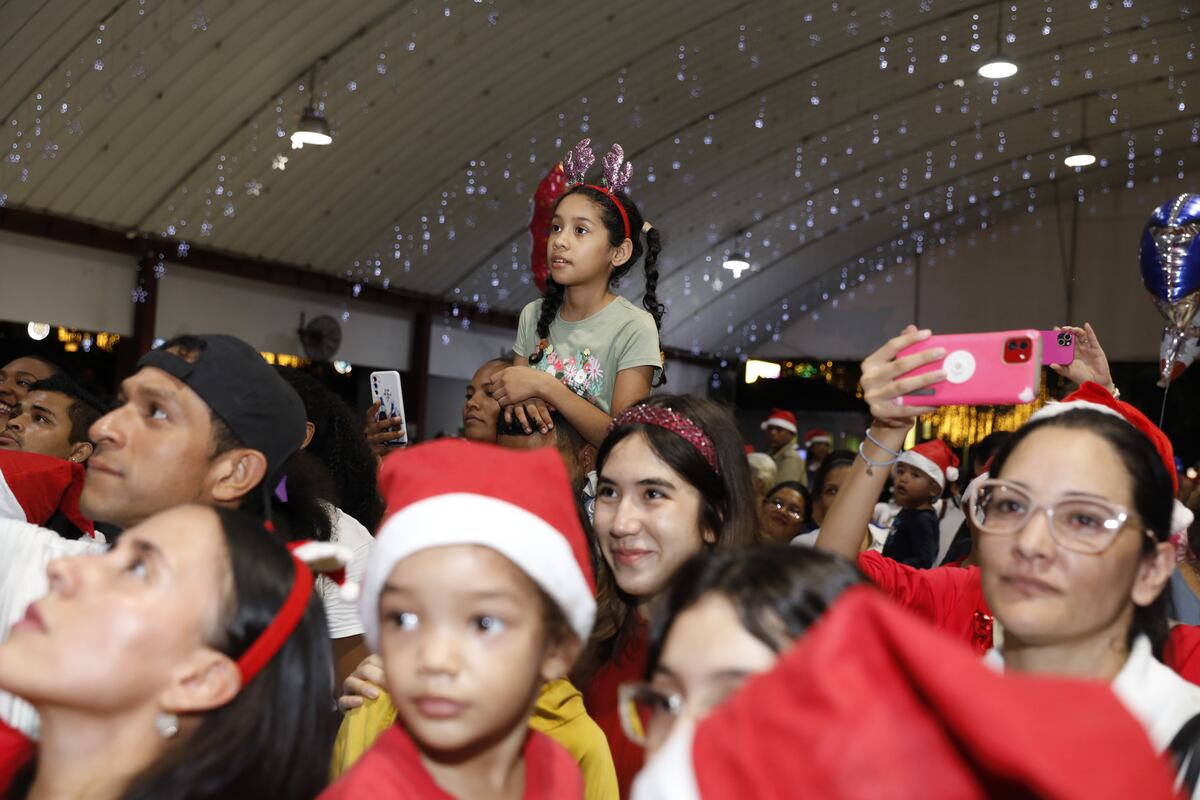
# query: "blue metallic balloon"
1170,252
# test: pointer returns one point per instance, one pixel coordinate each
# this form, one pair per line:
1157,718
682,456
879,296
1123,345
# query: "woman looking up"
190,661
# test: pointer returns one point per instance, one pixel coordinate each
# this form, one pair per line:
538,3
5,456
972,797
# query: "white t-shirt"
340,615
25,550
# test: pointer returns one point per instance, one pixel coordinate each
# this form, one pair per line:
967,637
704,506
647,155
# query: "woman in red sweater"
673,482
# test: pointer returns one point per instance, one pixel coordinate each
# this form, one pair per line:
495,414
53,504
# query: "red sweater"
392,768
15,752
600,698
952,599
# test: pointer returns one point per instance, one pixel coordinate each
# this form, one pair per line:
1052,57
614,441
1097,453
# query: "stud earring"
167,724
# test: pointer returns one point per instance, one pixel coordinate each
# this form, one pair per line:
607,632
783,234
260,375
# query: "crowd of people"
225,584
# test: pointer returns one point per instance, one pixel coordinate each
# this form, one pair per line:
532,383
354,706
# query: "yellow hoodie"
559,714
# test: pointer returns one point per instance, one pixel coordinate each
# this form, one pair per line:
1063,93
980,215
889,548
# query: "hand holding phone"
1058,347
386,391
1002,368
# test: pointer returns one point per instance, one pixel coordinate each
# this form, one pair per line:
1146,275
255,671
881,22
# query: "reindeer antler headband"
615,176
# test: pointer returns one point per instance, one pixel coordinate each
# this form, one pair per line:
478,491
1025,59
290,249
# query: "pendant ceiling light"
998,66
736,263
313,127
1081,154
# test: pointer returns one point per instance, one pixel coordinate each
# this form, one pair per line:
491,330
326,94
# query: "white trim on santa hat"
779,422
541,551
670,774
821,438
928,466
1053,409
1181,518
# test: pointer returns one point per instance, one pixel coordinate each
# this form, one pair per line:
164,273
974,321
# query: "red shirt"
600,698
392,768
1182,652
952,599
15,752
949,597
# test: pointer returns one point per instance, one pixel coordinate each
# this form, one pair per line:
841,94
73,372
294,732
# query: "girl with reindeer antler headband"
594,353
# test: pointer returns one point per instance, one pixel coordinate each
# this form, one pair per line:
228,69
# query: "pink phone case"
977,370
1058,347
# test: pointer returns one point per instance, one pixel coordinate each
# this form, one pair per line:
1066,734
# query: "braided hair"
611,219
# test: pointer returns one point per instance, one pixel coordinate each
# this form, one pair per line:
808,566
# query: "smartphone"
982,369
1058,347
385,390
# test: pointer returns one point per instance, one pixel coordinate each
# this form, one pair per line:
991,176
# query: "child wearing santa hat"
479,590
918,479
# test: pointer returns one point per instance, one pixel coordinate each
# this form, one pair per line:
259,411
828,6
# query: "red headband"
286,619
673,421
616,202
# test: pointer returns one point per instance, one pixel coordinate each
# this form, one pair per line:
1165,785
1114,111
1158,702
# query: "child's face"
912,488
647,518
464,646
706,658
577,248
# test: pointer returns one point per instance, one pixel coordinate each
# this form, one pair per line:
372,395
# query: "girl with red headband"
593,351
190,661
673,483
1071,527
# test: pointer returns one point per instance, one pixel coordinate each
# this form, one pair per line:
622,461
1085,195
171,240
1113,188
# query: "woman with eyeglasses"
784,513
727,617
1072,532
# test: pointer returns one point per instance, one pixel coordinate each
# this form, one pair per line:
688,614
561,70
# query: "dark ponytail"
615,225
650,298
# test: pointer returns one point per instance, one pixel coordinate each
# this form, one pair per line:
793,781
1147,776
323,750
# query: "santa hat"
329,559
935,459
33,487
817,436
780,419
518,503
873,702
1094,397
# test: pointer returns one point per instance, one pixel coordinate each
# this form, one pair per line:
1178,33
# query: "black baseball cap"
242,389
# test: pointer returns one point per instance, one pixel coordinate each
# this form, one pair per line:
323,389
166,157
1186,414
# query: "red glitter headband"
616,202
286,619
671,420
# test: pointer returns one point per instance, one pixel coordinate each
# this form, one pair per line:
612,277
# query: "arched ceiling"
824,141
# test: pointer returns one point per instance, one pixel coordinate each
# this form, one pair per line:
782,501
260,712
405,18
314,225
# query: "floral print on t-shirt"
581,373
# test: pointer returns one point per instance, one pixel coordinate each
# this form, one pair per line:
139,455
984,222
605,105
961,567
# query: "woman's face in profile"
115,631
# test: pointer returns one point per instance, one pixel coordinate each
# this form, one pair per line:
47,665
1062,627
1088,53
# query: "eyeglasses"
794,512
1084,525
647,715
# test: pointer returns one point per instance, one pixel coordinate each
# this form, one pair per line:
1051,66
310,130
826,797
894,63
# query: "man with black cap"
204,419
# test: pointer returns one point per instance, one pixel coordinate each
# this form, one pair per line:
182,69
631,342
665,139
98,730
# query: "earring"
167,724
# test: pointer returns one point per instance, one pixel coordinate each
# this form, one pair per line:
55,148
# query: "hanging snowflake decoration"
280,162
253,188
139,295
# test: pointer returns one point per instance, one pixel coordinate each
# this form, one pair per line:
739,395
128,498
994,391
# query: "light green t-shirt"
587,355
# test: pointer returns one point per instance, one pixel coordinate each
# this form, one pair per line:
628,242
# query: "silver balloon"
1181,314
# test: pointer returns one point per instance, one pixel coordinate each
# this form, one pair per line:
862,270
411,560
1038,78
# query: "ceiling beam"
275,273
